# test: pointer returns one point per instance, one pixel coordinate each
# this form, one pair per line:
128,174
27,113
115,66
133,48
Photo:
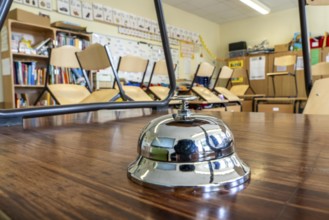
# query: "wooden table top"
75,167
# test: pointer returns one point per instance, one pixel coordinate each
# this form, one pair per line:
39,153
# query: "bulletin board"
152,52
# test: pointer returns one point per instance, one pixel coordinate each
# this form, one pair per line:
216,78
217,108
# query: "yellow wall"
277,28
145,8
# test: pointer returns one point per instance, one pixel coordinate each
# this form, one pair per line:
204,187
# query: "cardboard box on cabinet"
25,16
281,47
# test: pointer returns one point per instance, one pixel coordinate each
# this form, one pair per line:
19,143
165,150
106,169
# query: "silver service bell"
188,150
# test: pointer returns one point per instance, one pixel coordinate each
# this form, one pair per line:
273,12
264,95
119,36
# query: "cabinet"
24,52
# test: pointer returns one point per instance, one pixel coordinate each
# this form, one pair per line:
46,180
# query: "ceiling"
222,11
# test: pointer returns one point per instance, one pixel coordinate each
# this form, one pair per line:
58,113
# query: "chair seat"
207,95
280,74
317,102
228,94
239,90
74,94
69,93
136,93
104,95
160,92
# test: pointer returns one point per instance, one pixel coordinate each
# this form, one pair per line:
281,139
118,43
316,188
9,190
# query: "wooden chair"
65,56
97,57
225,75
317,102
134,64
205,69
285,62
320,70
160,92
60,57
241,88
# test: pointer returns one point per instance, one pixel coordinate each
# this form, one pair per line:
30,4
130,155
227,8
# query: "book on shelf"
41,48
22,100
27,73
67,39
66,76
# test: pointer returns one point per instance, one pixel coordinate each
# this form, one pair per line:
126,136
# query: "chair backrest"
97,57
133,64
317,102
64,56
320,69
287,60
94,57
205,69
223,77
225,72
159,69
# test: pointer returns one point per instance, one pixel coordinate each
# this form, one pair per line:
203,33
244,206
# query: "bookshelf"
24,52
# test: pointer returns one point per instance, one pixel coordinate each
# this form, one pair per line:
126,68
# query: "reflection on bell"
188,150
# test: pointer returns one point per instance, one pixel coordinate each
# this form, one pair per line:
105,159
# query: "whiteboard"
152,52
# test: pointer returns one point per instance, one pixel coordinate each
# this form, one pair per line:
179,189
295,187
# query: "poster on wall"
75,7
45,4
98,12
234,64
63,6
257,68
108,15
121,47
87,11
33,3
186,50
117,17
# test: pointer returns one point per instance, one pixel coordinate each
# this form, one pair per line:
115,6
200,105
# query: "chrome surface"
184,113
188,150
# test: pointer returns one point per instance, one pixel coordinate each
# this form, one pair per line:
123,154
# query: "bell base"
224,173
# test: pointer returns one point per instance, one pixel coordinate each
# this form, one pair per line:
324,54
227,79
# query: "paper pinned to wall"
300,63
4,39
75,8
121,47
63,6
5,67
257,68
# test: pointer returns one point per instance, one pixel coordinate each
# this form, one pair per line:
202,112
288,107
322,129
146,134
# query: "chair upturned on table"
241,87
220,88
160,92
205,95
94,58
65,57
283,67
317,102
135,65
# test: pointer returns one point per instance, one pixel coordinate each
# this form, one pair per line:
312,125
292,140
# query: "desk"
74,167
296,102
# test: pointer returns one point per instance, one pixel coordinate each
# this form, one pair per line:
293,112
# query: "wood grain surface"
75,167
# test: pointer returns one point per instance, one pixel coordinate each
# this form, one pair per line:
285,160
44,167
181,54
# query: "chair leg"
40,95
296,85
45,89
273,85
